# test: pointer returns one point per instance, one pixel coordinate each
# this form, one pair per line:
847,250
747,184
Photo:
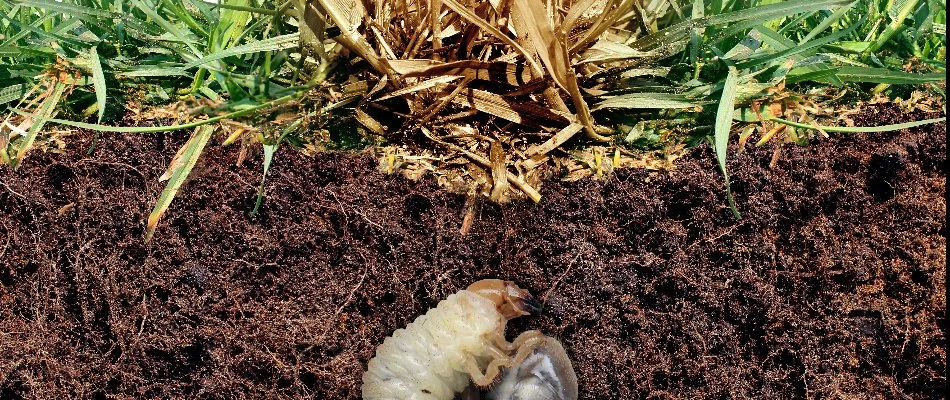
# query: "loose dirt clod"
833,284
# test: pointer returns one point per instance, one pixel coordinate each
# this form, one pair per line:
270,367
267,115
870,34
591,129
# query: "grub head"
511,300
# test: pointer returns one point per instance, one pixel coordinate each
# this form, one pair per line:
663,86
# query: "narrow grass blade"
233,23
860,129
883,75
270,44
152,71
800,48
167,128
66,8
49,107
576,11
98,81
899,11
645,100
178,170
696,39
181,35
13,92
827,22
255,10
723,127
8,51
269,150
738,20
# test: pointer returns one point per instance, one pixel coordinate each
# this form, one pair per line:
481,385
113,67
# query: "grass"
636,74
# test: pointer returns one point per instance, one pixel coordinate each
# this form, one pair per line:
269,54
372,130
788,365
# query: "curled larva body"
546,374
434,357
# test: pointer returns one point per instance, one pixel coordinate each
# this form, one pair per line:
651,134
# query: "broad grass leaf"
270,44
98,81
13,92
724,115
645,101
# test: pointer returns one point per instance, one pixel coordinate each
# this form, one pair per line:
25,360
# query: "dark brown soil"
832,286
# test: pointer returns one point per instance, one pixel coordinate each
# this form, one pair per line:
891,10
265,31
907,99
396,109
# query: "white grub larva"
546,374
462,338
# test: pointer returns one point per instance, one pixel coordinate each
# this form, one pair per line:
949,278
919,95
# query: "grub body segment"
425,360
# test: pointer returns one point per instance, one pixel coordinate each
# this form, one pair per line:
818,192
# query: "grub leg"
498,339
529,338
491,372
525,343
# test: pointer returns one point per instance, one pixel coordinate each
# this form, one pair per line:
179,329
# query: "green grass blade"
21,33
724,113
169,27
65,8
255,10
232,23
645,100
7,51
827,22
98,81
153,71
801,48
178,170
13,92
772,11
269,150
899,11
53,34
167,128
883,75
696,40
861,129
738,21
39,121
811,74
270,44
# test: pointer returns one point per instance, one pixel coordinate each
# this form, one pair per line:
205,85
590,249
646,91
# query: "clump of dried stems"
502,83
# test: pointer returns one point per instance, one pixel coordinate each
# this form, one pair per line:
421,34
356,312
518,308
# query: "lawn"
243,198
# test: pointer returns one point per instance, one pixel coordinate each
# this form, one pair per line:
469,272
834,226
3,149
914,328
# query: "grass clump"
107,56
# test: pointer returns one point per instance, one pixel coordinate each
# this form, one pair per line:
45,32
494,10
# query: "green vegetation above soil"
504,86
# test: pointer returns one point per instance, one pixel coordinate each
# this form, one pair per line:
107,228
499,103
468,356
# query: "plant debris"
501,83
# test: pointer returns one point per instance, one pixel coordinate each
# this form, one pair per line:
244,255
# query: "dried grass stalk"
477,63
